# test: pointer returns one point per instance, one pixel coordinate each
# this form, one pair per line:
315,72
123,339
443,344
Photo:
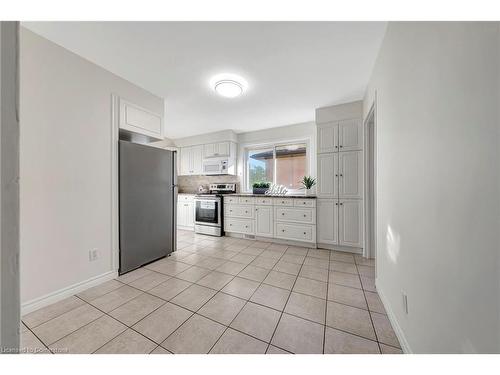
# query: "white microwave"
216,166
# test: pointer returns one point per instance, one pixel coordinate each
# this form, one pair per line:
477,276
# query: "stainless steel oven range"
208,212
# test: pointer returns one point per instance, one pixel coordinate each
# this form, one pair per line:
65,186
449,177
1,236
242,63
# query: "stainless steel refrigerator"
148,201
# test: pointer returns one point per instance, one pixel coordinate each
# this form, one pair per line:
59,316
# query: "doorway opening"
370,248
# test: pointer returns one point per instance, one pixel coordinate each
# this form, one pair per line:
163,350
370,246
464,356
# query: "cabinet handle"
230,225
341,204
304,232
246,226
283,230
282,214
336,175
341,146
336,204
305,215
341,175
336,146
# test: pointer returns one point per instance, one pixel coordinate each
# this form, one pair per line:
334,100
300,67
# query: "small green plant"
308,182
261,185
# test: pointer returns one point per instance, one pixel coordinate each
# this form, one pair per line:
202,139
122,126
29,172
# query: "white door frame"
10,305
370,249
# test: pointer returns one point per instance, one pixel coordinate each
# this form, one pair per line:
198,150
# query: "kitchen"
206,241
255,187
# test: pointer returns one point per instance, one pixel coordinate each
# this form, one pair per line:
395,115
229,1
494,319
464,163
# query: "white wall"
66,165
438,181
305,131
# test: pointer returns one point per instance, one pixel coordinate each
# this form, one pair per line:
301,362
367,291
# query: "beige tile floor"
223,295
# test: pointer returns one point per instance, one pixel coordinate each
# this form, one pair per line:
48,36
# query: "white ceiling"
291,67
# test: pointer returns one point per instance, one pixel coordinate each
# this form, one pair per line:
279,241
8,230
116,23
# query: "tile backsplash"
190,184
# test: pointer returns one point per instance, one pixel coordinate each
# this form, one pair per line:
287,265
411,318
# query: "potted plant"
260,187
308,182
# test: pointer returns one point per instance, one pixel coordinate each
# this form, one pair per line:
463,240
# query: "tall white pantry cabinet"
340,177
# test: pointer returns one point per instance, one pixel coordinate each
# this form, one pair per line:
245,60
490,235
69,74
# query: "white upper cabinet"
140,120
264,221
197,161
214,150
350,135
184,161
191,159
350,171
351,222
328,137
327,222
328,175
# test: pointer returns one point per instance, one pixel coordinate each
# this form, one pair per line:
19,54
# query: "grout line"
369,314
214,246
284,307
326,303
34,334
247,301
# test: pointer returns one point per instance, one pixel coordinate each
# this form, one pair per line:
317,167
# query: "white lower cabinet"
236,210
292,219
340,222
296,215
264,218
185,211
295,232
328,220
243,226
350,222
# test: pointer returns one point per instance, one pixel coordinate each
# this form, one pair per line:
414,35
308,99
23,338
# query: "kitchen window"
282,164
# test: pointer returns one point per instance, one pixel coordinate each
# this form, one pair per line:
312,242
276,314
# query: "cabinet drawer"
296,232
304,202
246,200
230,199
296,215
263,201
283,201
239,226
185,197
243,211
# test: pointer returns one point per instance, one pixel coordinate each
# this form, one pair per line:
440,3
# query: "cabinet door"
350,222
350,135
185,161
196,160
328,175
264,221
327,221
328,138
209,150
189,212
181,214
222,149
139,120
351,174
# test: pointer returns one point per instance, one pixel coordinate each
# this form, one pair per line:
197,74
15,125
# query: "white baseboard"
61,294
395,325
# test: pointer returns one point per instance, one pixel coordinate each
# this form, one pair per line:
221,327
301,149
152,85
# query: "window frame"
256,146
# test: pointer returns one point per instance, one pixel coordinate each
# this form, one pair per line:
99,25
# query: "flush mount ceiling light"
228,85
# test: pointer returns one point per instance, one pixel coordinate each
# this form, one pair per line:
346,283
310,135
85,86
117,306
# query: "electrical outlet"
93,255
405,303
